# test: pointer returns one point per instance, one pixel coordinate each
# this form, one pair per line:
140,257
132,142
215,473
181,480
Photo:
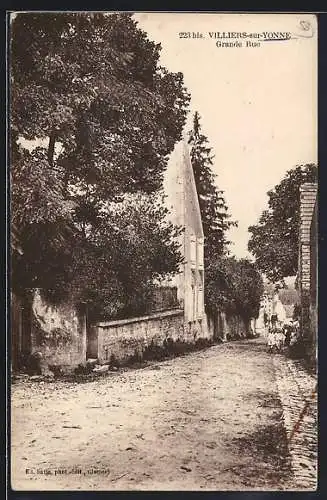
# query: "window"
193,249
200,279
200,297
200,310
194,288
200,256
193,278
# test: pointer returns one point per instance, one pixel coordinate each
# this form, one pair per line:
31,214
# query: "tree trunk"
51,148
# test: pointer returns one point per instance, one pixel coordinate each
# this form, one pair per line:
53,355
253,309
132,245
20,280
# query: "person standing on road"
280,338
287,332
265,319
273,320
271,340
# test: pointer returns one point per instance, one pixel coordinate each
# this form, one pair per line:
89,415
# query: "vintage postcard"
163,266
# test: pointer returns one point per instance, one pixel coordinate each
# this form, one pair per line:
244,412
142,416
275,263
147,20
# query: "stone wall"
124,338
58,333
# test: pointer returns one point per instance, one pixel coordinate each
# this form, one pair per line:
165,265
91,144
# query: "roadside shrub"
114,362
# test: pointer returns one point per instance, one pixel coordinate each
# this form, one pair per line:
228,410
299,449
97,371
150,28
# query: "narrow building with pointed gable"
184,211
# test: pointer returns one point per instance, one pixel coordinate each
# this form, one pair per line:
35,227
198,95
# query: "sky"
258,104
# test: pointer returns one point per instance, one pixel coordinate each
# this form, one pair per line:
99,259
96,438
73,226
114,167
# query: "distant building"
182,203
289,297
278,308
264,313
281,303
307,267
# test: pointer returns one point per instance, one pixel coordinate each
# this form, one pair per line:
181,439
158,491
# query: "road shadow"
247,345
268,463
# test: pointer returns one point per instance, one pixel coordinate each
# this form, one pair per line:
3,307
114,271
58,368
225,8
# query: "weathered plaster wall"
58,332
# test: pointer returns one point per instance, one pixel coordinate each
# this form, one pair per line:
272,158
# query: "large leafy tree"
214,211
235,286
248,288
90,87
274,240
142,249
92,83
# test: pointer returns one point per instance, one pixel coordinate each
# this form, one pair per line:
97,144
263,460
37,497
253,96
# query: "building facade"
184,211
307,267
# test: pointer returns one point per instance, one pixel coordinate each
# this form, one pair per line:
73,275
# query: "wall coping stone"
121,322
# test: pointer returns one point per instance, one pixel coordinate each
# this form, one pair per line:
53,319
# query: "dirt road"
211,420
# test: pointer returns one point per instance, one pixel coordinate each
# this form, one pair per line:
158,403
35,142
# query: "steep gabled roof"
180,189
190,189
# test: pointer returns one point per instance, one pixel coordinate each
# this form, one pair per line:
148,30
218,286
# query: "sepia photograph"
163,255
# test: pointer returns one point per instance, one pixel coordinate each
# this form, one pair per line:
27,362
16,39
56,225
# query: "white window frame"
193,250
200,252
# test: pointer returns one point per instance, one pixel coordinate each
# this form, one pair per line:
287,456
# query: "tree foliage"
37,193
274,240
131,252
91,86
114,268
234,286
92,83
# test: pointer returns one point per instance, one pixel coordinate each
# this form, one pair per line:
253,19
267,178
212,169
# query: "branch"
52,143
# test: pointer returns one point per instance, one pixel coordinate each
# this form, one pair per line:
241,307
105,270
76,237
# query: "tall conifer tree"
214,211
